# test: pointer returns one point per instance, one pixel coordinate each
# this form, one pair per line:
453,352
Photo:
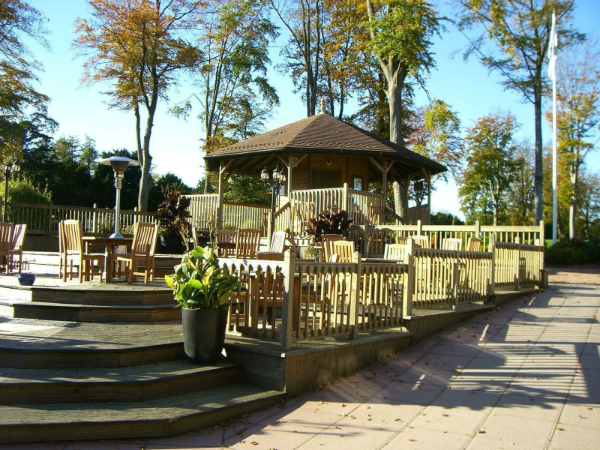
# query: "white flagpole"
552,72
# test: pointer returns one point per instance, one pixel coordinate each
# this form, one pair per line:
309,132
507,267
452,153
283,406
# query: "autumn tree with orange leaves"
139,47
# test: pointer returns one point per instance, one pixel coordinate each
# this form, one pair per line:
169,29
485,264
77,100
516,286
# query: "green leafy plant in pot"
202,289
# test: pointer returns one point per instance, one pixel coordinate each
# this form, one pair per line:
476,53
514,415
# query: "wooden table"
109,246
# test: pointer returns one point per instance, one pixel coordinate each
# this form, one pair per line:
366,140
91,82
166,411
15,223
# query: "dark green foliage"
445,218
199,282
329,221
173,214
156,191
573,252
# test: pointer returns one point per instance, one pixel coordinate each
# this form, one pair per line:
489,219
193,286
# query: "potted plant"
175,228
202,289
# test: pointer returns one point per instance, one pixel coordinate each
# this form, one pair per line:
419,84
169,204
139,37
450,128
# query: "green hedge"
573,252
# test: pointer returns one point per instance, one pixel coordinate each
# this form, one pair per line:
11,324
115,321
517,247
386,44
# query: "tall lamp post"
9,168
275,182
119,165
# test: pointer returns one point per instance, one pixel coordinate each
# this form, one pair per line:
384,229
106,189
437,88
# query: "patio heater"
276,181
9,168
119,165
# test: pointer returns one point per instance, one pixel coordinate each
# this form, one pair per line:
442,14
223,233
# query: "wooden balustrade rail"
517,266
44,219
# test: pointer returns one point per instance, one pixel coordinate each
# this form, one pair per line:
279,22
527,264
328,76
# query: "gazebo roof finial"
323,111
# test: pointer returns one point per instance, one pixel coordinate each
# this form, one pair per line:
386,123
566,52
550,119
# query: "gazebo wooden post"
384,170
222,172
428,178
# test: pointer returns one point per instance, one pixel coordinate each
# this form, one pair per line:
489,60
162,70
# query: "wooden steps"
130,384
162,417
89,313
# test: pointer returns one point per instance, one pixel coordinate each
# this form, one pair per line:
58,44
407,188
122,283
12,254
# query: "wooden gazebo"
328,163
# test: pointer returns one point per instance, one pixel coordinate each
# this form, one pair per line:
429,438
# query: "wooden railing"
242,215
204,207
318,299
517,266
446,277
419,213
382,234
366,208
43,219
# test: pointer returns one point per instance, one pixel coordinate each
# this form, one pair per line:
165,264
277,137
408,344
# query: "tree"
578,114
520,201
304,21
521,31
436,135
23,110
400,37
139,47
491,167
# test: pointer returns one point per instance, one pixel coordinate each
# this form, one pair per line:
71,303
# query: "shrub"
573,252
23,191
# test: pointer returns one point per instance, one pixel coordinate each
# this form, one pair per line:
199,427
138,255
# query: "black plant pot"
171,244
204,333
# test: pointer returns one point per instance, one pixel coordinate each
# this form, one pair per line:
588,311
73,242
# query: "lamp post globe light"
8,168
119,165
275,181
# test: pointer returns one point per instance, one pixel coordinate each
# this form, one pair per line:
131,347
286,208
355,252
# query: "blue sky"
81,109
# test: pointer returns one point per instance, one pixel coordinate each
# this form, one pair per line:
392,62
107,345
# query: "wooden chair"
18,239
344,250
276,248
246,243
422,241
328,240
474,245
401,240
227,240
394,252
452,244
142,250
6,241
73,252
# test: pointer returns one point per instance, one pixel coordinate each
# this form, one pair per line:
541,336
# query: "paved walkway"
525,376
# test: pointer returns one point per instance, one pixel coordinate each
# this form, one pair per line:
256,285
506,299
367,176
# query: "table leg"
108,263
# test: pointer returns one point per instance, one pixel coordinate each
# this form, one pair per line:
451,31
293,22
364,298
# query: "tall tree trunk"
146,161
400,201
539,176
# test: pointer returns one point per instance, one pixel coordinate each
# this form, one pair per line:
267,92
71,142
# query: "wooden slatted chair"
452,244
246,243
422,241
344,250
394,252
401,240
73,252
276,248
227,239
18,242
474,245
328,240
6,233
142,250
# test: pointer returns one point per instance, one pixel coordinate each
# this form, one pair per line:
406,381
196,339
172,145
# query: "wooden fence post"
409,279
50,207
478,233
355,295
95,219
542,243
419,227
455,282
288,299
493,274
518,280
345,196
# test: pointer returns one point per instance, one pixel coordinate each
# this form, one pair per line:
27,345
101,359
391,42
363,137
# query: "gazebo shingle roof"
322,133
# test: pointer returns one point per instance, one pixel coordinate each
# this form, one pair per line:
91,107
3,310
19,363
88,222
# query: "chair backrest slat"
19,236
474,244
6,237
452,244
278,242
143,237
328,240
344,250
73,236
422,241
394,252
224,236
246,243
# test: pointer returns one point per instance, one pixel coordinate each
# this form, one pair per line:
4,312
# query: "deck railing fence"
326,299
44,219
